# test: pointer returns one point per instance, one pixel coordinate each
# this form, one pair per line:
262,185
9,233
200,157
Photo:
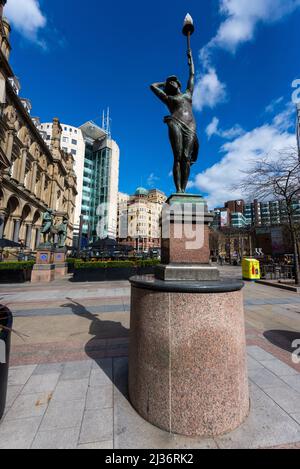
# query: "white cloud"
209,91
273,105
214,129
152,180
26,16
238,156
240,20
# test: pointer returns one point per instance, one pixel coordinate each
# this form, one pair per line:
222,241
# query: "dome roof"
141,191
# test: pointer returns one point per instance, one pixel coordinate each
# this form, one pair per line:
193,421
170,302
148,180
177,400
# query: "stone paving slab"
68,311
97,426
76,294
267,425
18,376
18,434
89,409
58,439
27,406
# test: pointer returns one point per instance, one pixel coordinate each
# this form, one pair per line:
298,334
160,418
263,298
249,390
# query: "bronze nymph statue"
181,122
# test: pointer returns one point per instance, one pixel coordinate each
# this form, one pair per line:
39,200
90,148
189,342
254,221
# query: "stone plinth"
61,270
185,237
61,267
43,273
59,257
44,269
187,355
44,256
182,272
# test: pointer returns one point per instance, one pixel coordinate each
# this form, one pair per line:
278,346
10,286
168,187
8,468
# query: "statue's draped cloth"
190,138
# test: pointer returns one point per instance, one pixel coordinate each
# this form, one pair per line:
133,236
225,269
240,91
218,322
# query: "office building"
139,219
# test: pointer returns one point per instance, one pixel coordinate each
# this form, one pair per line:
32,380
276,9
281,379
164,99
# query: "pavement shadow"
101,330
282,339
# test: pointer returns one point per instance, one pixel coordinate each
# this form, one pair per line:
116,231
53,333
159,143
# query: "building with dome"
139,219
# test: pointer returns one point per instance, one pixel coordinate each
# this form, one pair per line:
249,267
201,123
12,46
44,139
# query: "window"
65,140
74,152
65,149
74,142
48,137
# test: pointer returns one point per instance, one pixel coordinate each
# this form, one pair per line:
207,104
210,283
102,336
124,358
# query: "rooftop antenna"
106,122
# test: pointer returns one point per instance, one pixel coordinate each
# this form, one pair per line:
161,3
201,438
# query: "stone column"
33,177
15,171
2,221
23,166
41,186
16,232
53,195
9,145
37,238
28,235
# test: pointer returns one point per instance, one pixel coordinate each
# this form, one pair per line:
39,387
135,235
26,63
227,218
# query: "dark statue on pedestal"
47,225
181,122
61,231
49,230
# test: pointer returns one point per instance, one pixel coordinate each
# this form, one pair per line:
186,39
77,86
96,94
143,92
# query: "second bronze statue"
181,123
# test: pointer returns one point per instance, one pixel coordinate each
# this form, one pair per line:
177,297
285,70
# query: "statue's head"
173,86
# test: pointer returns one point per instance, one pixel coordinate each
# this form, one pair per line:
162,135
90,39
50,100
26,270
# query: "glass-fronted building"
259,214
100,183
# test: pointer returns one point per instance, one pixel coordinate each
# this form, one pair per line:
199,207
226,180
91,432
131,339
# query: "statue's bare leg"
176,143
185,174
188,144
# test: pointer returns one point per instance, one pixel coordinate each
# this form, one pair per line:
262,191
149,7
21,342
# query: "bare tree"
277,176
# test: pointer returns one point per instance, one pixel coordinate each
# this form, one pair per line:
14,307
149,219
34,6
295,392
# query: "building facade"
33,177
100,183
97,169
72,142
139,219
262,225
238,214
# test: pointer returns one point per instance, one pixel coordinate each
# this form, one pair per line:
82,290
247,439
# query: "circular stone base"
187,356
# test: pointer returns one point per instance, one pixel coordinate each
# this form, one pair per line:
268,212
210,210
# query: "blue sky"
76,58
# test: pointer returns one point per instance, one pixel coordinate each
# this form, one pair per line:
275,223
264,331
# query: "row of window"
66,140
74,152
48,126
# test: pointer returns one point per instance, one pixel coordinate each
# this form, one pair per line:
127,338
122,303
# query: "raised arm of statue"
191,82
157,90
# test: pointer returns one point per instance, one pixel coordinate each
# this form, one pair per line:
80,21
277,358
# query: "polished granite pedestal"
187,352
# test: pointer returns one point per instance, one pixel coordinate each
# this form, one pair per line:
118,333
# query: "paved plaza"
68,376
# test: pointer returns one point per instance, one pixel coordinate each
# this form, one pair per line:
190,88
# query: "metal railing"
277,272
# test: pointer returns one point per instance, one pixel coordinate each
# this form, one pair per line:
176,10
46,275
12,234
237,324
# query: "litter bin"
251,269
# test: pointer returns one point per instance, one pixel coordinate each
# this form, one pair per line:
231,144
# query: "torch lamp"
188,28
